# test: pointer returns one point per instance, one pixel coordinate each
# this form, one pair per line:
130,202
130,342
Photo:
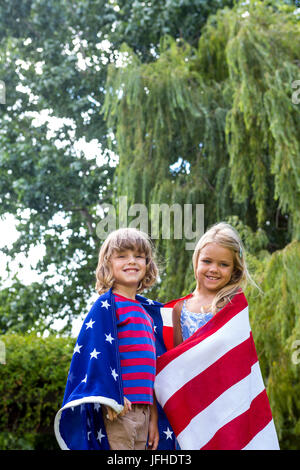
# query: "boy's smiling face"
128,268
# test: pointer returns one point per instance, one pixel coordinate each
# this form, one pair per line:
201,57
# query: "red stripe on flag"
168,337
231,309
168,330
172,303
203,389
236,434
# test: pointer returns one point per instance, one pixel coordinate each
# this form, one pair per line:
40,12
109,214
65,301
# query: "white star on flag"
109,338
114,374
71,377
105,304
150,302
85,379
94,354
77,348
100,435
168,433
97,406
90,324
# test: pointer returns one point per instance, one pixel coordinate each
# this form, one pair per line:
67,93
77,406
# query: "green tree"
54,58
275,321
222,111
61,192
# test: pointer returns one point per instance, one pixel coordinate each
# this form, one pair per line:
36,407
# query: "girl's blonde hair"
226,236
119,240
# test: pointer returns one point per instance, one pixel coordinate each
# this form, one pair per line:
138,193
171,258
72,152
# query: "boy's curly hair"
119,240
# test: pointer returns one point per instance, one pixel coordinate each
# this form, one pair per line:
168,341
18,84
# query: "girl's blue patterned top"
191,321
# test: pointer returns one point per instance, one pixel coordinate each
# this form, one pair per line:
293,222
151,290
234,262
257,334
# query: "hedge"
32,383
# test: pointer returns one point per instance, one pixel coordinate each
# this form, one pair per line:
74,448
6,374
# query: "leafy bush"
32,384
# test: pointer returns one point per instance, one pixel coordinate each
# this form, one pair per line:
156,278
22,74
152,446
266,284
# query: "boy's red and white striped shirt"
211,387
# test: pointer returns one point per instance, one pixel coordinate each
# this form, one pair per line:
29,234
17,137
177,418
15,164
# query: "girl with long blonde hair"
220,272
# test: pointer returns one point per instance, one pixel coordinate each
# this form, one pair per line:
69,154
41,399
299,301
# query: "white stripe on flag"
166,314
194,361
266,439
233,402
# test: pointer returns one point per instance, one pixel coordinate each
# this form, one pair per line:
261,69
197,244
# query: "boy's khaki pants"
128,432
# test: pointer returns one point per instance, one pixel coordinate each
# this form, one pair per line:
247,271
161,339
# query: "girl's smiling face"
215,267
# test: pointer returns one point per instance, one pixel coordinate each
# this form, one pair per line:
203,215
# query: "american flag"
211,387
94,379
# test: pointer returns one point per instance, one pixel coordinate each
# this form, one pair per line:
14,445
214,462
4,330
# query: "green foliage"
263,139
52,191
32,387
275,322
222,109
142,24
54,57
62,192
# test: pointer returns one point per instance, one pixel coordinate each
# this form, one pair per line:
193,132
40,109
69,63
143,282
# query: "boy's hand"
153,434
153,437
112,414
127,407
